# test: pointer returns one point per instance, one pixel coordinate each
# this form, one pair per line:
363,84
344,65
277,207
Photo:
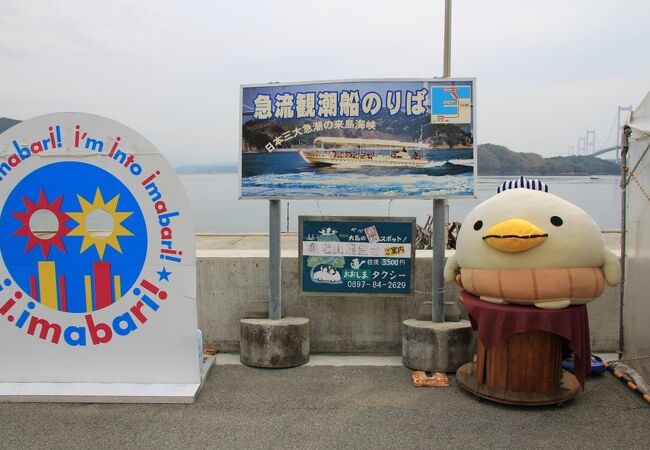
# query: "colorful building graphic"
46,290
101,290
73,268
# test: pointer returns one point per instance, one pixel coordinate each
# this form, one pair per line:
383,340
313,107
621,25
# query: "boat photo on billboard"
352,152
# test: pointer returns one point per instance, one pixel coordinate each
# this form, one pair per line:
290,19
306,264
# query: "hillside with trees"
493,159
6,123
257,133
499,160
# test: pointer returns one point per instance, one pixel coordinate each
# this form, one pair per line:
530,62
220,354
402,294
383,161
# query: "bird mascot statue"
529,247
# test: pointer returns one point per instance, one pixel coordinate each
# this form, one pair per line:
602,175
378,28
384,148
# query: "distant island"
6,123
208,168
492,160
499,160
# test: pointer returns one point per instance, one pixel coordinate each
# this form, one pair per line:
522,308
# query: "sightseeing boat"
354,152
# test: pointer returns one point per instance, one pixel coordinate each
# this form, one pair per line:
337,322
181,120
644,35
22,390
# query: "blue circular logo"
71,266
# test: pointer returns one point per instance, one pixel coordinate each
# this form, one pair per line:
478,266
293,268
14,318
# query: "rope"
630,174
638,183
635,358
626,380
627,169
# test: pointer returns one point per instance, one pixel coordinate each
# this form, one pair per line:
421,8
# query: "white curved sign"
97,265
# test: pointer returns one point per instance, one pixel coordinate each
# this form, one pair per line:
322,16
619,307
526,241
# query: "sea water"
287,175
215,202
216,206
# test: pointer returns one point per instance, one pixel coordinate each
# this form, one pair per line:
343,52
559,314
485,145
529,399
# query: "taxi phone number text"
378,284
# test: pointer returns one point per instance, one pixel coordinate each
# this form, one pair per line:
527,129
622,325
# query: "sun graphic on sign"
90,239
45,242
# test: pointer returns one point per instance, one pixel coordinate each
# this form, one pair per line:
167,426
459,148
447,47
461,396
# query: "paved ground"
336,407
332,407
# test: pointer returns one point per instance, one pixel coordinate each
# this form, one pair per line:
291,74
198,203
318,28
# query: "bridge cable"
609,134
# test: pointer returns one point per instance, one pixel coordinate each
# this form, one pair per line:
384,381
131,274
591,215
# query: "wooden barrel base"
567,389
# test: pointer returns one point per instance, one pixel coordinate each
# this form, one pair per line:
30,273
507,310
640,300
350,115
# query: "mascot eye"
557,221
479,224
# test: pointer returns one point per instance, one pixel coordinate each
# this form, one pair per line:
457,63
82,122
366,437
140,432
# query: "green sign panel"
357,255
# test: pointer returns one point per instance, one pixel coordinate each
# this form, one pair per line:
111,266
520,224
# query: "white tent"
636,297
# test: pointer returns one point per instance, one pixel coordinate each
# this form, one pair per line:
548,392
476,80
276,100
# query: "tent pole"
625,146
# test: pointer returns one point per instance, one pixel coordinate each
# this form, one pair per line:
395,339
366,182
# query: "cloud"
172,69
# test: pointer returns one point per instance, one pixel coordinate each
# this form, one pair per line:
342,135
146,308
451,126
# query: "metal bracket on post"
275,261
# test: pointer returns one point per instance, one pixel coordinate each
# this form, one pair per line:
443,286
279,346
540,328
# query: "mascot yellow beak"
514,235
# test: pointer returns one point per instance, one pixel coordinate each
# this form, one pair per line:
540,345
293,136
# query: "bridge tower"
619,125
590,142
580,148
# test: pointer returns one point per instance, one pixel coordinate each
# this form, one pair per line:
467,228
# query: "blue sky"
546,71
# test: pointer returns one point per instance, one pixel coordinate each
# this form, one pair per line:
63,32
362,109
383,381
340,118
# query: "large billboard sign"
97,265
359,139
357,255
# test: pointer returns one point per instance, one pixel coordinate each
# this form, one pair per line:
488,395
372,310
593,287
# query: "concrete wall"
234,284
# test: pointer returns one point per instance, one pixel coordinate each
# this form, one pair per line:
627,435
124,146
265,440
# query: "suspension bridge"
587,144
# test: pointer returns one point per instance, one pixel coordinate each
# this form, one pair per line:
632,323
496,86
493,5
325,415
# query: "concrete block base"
437,347
106,392
274,344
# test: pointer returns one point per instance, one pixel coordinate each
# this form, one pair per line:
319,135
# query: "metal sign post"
438,246
446,64
439,205
275,342
275,262
439,346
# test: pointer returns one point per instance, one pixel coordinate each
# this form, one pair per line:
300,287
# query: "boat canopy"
367,142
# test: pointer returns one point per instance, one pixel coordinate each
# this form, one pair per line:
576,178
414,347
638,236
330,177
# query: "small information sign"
357,255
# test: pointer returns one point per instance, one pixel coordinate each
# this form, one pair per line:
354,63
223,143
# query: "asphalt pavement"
337,407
